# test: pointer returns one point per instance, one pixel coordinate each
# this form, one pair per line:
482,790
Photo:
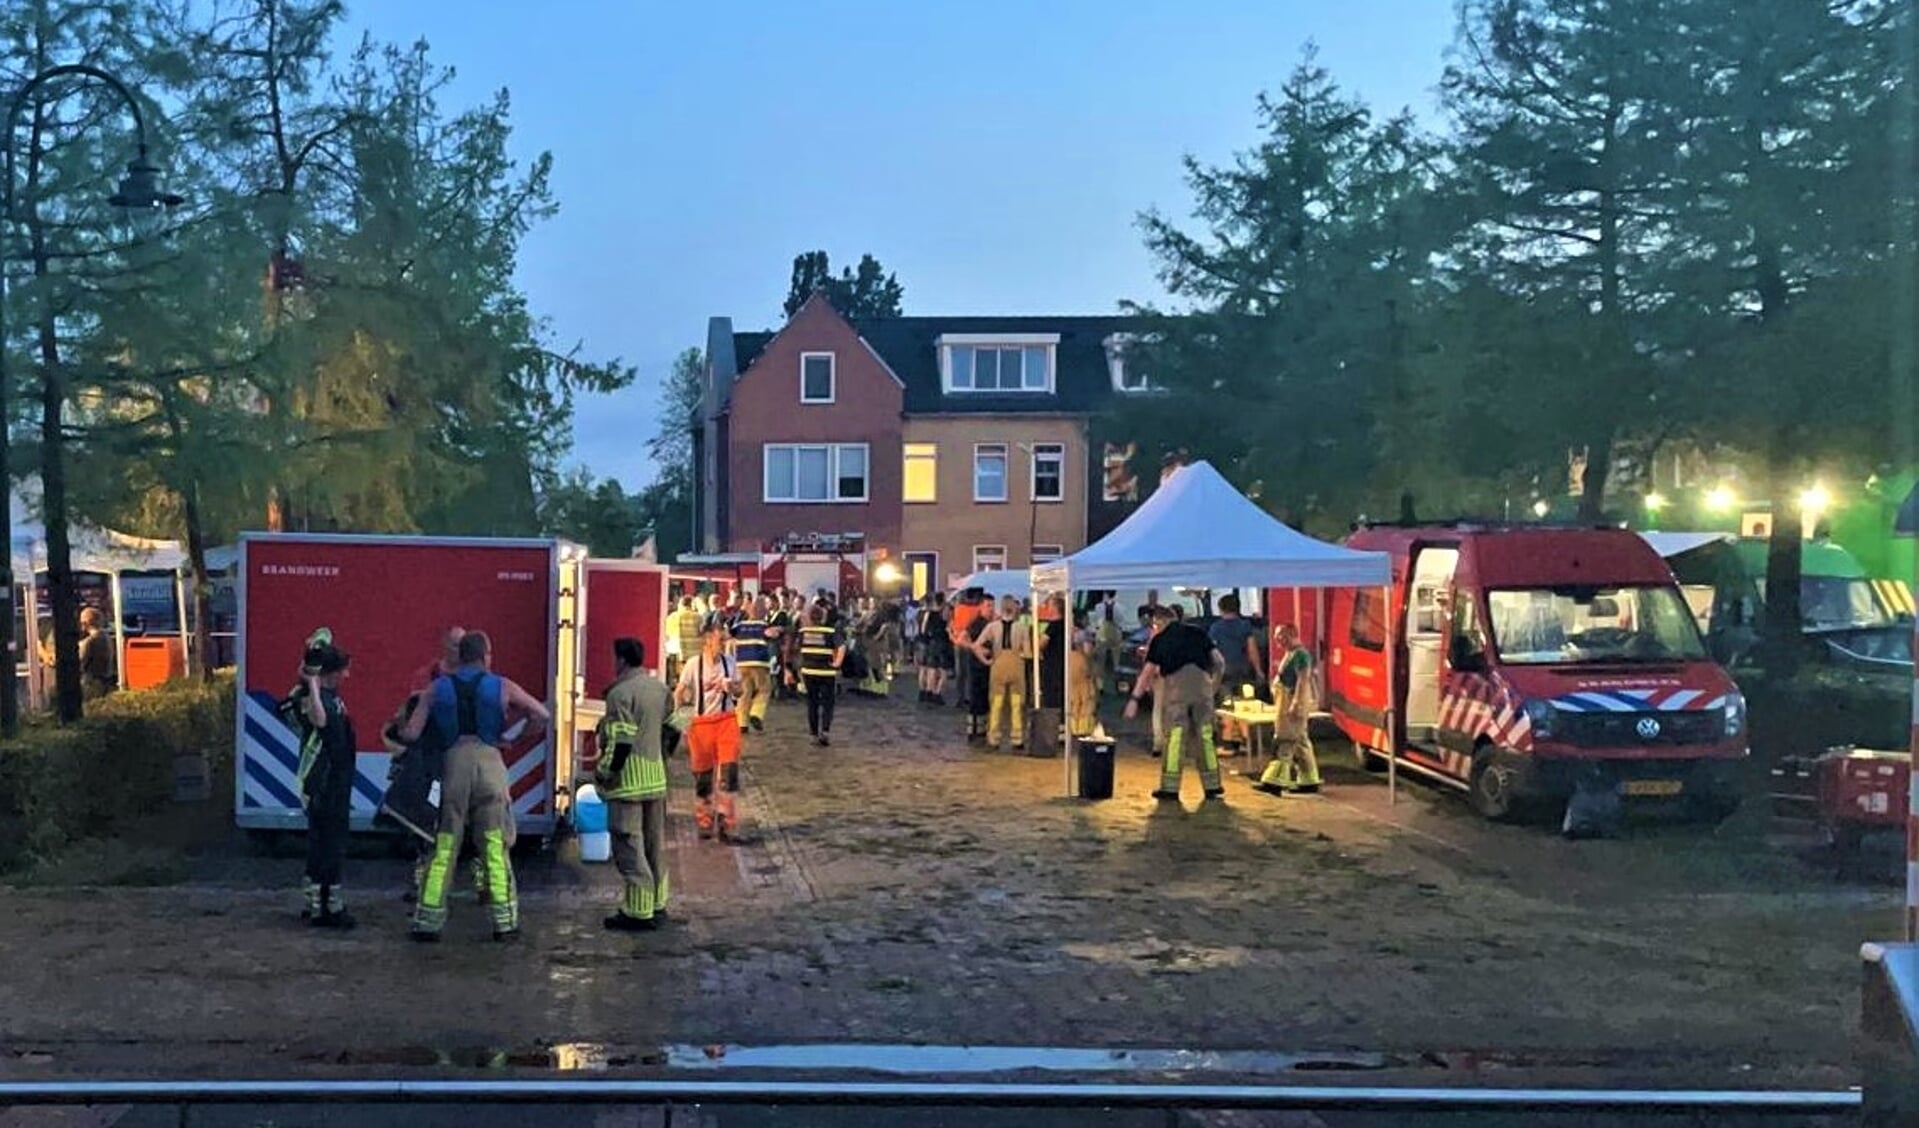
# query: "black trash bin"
1095,768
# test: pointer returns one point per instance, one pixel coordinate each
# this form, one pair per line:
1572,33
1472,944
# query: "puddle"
1007,1059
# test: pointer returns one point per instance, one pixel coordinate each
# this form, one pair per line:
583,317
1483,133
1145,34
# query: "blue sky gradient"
994,154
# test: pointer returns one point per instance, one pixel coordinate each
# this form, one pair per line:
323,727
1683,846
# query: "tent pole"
1392,737
186,636
119,629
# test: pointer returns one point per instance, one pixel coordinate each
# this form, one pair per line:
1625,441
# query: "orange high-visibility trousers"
713,744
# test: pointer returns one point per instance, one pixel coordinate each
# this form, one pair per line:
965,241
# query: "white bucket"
589,816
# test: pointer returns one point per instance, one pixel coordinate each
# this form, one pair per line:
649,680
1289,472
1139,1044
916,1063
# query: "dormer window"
996,364
1128,379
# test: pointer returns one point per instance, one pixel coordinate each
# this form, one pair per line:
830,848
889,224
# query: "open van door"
1425,631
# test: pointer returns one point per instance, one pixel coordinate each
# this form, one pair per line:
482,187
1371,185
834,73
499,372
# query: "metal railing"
1330,1098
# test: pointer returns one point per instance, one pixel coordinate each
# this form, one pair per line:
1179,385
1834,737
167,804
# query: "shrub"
59,785
1824,705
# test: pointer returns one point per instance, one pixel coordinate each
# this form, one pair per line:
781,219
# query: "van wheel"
1369,759
1491,789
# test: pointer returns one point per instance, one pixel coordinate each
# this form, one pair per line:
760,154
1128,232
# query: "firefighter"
631,776
821,653
1005,647
327,751
708,685
1181,667
469,708
753,658
1294,766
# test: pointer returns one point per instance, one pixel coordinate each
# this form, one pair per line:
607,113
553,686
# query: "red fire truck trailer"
388,601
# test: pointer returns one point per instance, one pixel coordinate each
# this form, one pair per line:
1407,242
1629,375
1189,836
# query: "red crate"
1863,787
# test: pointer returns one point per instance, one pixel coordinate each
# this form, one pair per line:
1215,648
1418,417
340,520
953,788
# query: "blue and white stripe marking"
270,764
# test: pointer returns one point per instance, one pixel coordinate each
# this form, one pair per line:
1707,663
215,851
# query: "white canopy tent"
1000,581
1197,530
93,549
1669,545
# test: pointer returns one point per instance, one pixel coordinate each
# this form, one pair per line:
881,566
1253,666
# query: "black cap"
325,658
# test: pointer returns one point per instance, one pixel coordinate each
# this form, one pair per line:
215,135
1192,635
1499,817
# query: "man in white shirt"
709,683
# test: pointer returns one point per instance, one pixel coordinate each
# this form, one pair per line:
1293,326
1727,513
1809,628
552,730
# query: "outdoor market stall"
125,577
1198,531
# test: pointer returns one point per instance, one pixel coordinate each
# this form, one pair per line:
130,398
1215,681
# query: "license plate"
1653,787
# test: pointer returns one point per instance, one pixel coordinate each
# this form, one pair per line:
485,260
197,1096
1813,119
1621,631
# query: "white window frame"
1006,473
1047,553
1116,348
832,377
832,473
990,550
906,459
947,342
1032,472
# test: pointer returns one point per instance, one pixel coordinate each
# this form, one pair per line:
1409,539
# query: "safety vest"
749,644
632,762
817,646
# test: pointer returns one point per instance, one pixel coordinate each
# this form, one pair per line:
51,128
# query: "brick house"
976,428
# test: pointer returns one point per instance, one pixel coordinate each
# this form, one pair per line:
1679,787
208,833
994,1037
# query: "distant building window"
1128,379
1049,472
816,377
992,363
989,472
828,473
921,477
989,558
1047,553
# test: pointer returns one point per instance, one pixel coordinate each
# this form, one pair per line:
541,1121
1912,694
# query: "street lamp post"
139,189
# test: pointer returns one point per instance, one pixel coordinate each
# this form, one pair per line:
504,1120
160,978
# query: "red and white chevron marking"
1479,706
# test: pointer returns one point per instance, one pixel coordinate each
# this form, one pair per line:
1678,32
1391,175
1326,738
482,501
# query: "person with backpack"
469,709
631,777
709,684
316,712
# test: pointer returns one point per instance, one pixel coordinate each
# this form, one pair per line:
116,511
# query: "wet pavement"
906,890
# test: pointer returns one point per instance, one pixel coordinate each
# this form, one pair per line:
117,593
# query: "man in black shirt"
1182,666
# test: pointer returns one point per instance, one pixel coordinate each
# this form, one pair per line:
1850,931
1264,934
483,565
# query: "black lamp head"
140,188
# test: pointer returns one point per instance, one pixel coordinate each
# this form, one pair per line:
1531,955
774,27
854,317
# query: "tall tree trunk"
1615,340
1592,499
53,471
1784,624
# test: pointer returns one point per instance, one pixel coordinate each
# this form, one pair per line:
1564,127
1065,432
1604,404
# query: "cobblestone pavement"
905,888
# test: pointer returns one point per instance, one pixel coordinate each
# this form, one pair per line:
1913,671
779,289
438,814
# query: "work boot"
1215,793
1165,796
620,922
758,725
506,935
822,740
423,936
342,920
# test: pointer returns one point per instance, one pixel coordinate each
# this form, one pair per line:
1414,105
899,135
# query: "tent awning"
998,582
1198,531
1669,545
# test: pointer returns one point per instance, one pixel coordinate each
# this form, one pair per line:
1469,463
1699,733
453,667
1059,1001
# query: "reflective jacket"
630,764
818,644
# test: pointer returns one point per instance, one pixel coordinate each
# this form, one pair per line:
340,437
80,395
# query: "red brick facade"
767,408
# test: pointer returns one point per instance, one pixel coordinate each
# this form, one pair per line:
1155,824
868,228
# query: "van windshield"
1556,626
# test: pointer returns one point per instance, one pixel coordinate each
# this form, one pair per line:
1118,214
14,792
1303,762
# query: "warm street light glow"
887,573
1542,507
1720,499
1655,502
1815,500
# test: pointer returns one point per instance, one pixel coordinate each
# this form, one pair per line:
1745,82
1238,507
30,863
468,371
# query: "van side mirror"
1467,658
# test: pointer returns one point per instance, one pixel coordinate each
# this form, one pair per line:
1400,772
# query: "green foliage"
596,513
868,291
59,786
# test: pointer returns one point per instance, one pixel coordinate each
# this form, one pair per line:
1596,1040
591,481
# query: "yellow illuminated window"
922,472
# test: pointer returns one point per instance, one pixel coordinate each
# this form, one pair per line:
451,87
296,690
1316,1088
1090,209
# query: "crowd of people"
726,658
